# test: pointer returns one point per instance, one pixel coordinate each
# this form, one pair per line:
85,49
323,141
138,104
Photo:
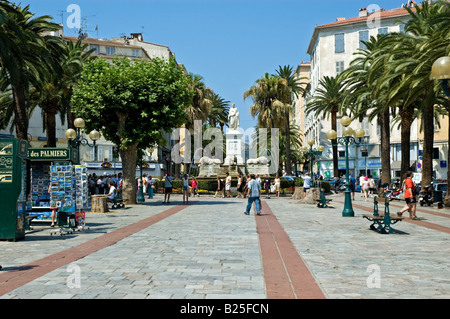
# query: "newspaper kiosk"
13,180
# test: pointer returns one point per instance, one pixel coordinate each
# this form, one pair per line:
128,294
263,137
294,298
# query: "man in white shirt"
254,191
112,191
228,184
306,182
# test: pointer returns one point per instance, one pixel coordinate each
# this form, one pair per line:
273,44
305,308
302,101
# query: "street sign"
419,165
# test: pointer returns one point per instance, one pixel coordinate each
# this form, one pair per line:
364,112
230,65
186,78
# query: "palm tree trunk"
288,165
50,128
385,147
406,119
334,143
20,114
428,140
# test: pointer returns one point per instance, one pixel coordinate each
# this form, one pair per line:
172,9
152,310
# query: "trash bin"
437,196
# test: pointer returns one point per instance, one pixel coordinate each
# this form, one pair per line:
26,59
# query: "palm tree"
56,92
360,97
328,101
295,87
417,50
26,56
219,110
268,95
200,106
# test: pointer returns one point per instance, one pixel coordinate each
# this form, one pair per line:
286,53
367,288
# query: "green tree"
218,114
26,56
358,85
295,87
132,103
328,101
56,92
422,44
268,107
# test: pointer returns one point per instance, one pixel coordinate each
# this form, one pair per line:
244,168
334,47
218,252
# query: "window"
339,67
339,43
96,153
136,53
363,36
341,153
95,47
382,30
110,50
402,28
435,152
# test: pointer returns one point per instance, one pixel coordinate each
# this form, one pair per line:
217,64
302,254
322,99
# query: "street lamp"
318,151
347,139
76,139
441,71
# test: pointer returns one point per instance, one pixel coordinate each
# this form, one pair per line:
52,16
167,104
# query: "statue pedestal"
234,148
260,169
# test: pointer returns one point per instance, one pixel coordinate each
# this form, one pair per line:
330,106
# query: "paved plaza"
210,249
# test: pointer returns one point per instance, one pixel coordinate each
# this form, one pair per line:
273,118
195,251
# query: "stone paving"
209,249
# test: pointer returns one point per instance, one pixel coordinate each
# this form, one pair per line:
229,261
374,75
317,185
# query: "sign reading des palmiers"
49,154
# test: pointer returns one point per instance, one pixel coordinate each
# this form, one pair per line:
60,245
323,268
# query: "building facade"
332,49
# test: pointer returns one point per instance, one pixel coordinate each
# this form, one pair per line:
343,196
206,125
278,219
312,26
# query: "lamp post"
441,71
318,151
76,139
347,139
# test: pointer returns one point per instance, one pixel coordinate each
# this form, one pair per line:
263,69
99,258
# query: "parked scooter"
426,196
393,193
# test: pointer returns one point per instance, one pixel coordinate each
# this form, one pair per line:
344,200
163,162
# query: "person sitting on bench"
112,191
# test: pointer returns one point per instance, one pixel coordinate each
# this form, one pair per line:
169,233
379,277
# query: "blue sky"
230,43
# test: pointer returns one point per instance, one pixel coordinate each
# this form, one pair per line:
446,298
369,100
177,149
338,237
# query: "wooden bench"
382,223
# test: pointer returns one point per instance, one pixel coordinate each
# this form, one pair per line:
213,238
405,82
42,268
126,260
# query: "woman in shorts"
410,197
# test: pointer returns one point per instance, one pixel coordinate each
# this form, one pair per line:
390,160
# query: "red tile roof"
381,14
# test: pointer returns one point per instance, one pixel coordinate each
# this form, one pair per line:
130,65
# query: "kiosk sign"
49,154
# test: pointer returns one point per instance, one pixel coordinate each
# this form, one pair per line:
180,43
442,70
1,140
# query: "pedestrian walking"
247,180
410,197
220,187
254,193
240,186
365,187
371,186
267,187
228,184
168,185
352,180
194,187
276,185
306,183
185,185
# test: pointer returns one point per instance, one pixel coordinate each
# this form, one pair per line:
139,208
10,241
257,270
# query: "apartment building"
331,48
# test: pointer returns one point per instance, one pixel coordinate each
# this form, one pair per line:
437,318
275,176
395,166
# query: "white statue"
233,118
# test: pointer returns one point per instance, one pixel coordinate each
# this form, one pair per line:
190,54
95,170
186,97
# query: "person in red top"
194,187
410,197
